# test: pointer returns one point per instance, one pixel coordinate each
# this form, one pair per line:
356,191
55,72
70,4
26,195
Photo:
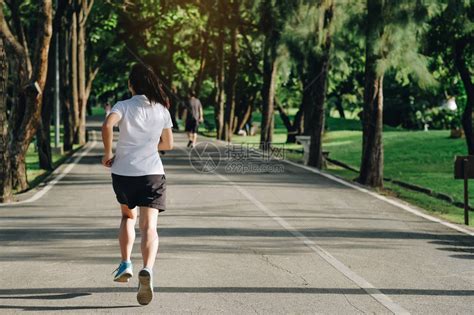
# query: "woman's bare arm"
108,138
166,140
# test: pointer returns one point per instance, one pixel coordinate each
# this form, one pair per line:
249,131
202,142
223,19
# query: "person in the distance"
194,118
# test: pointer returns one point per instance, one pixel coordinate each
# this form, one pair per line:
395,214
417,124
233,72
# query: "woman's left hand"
108,160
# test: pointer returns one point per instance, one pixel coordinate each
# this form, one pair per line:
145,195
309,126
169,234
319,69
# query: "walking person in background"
194,118
138,176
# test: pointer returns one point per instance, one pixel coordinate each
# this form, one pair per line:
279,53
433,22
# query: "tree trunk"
5,166
371,171
81,79
291,131
464,72
64,81
83,14
306,107
316,157
232,77
245,114
297,125
219,110
43,136
268,94
293,128
73,72
340,108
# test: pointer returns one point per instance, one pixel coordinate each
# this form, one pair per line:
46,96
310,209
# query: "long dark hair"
144,81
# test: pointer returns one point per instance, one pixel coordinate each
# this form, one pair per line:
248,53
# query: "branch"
9,37
89,7
92,75
86,8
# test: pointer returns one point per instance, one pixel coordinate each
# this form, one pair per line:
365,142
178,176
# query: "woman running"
138,177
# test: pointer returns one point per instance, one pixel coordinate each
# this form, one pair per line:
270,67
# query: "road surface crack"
269,262
350,303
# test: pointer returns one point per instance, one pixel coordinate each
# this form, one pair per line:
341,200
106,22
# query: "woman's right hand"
108,160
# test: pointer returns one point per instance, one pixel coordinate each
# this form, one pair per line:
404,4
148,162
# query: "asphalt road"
252,236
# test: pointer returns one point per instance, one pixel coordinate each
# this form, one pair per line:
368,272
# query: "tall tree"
25,116
233,71
371,172
308,38
272,22
66,89
319,89
392,37
84,8
5,165
73,73
220,70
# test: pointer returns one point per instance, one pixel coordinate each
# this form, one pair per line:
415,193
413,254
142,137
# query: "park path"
286,241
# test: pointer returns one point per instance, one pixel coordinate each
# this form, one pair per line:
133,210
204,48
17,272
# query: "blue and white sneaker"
124,272
145,287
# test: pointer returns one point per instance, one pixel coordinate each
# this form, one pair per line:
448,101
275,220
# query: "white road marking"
339,266
58,175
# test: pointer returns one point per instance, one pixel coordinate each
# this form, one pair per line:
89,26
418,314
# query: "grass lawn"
418,157
34,173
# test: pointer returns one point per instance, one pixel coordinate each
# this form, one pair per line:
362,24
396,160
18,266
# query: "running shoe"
189,144
145,287
124,272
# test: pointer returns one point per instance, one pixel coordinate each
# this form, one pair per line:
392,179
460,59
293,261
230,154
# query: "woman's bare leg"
127,232
150,242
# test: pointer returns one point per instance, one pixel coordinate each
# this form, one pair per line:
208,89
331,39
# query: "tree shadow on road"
63,296
53,294
463,246
63,308
244,290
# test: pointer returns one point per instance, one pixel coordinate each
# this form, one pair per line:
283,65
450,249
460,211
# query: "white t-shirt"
140,126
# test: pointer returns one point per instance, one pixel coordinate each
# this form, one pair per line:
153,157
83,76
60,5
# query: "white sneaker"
145,287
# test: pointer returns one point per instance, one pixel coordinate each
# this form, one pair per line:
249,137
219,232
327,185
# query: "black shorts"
192,125
142,191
